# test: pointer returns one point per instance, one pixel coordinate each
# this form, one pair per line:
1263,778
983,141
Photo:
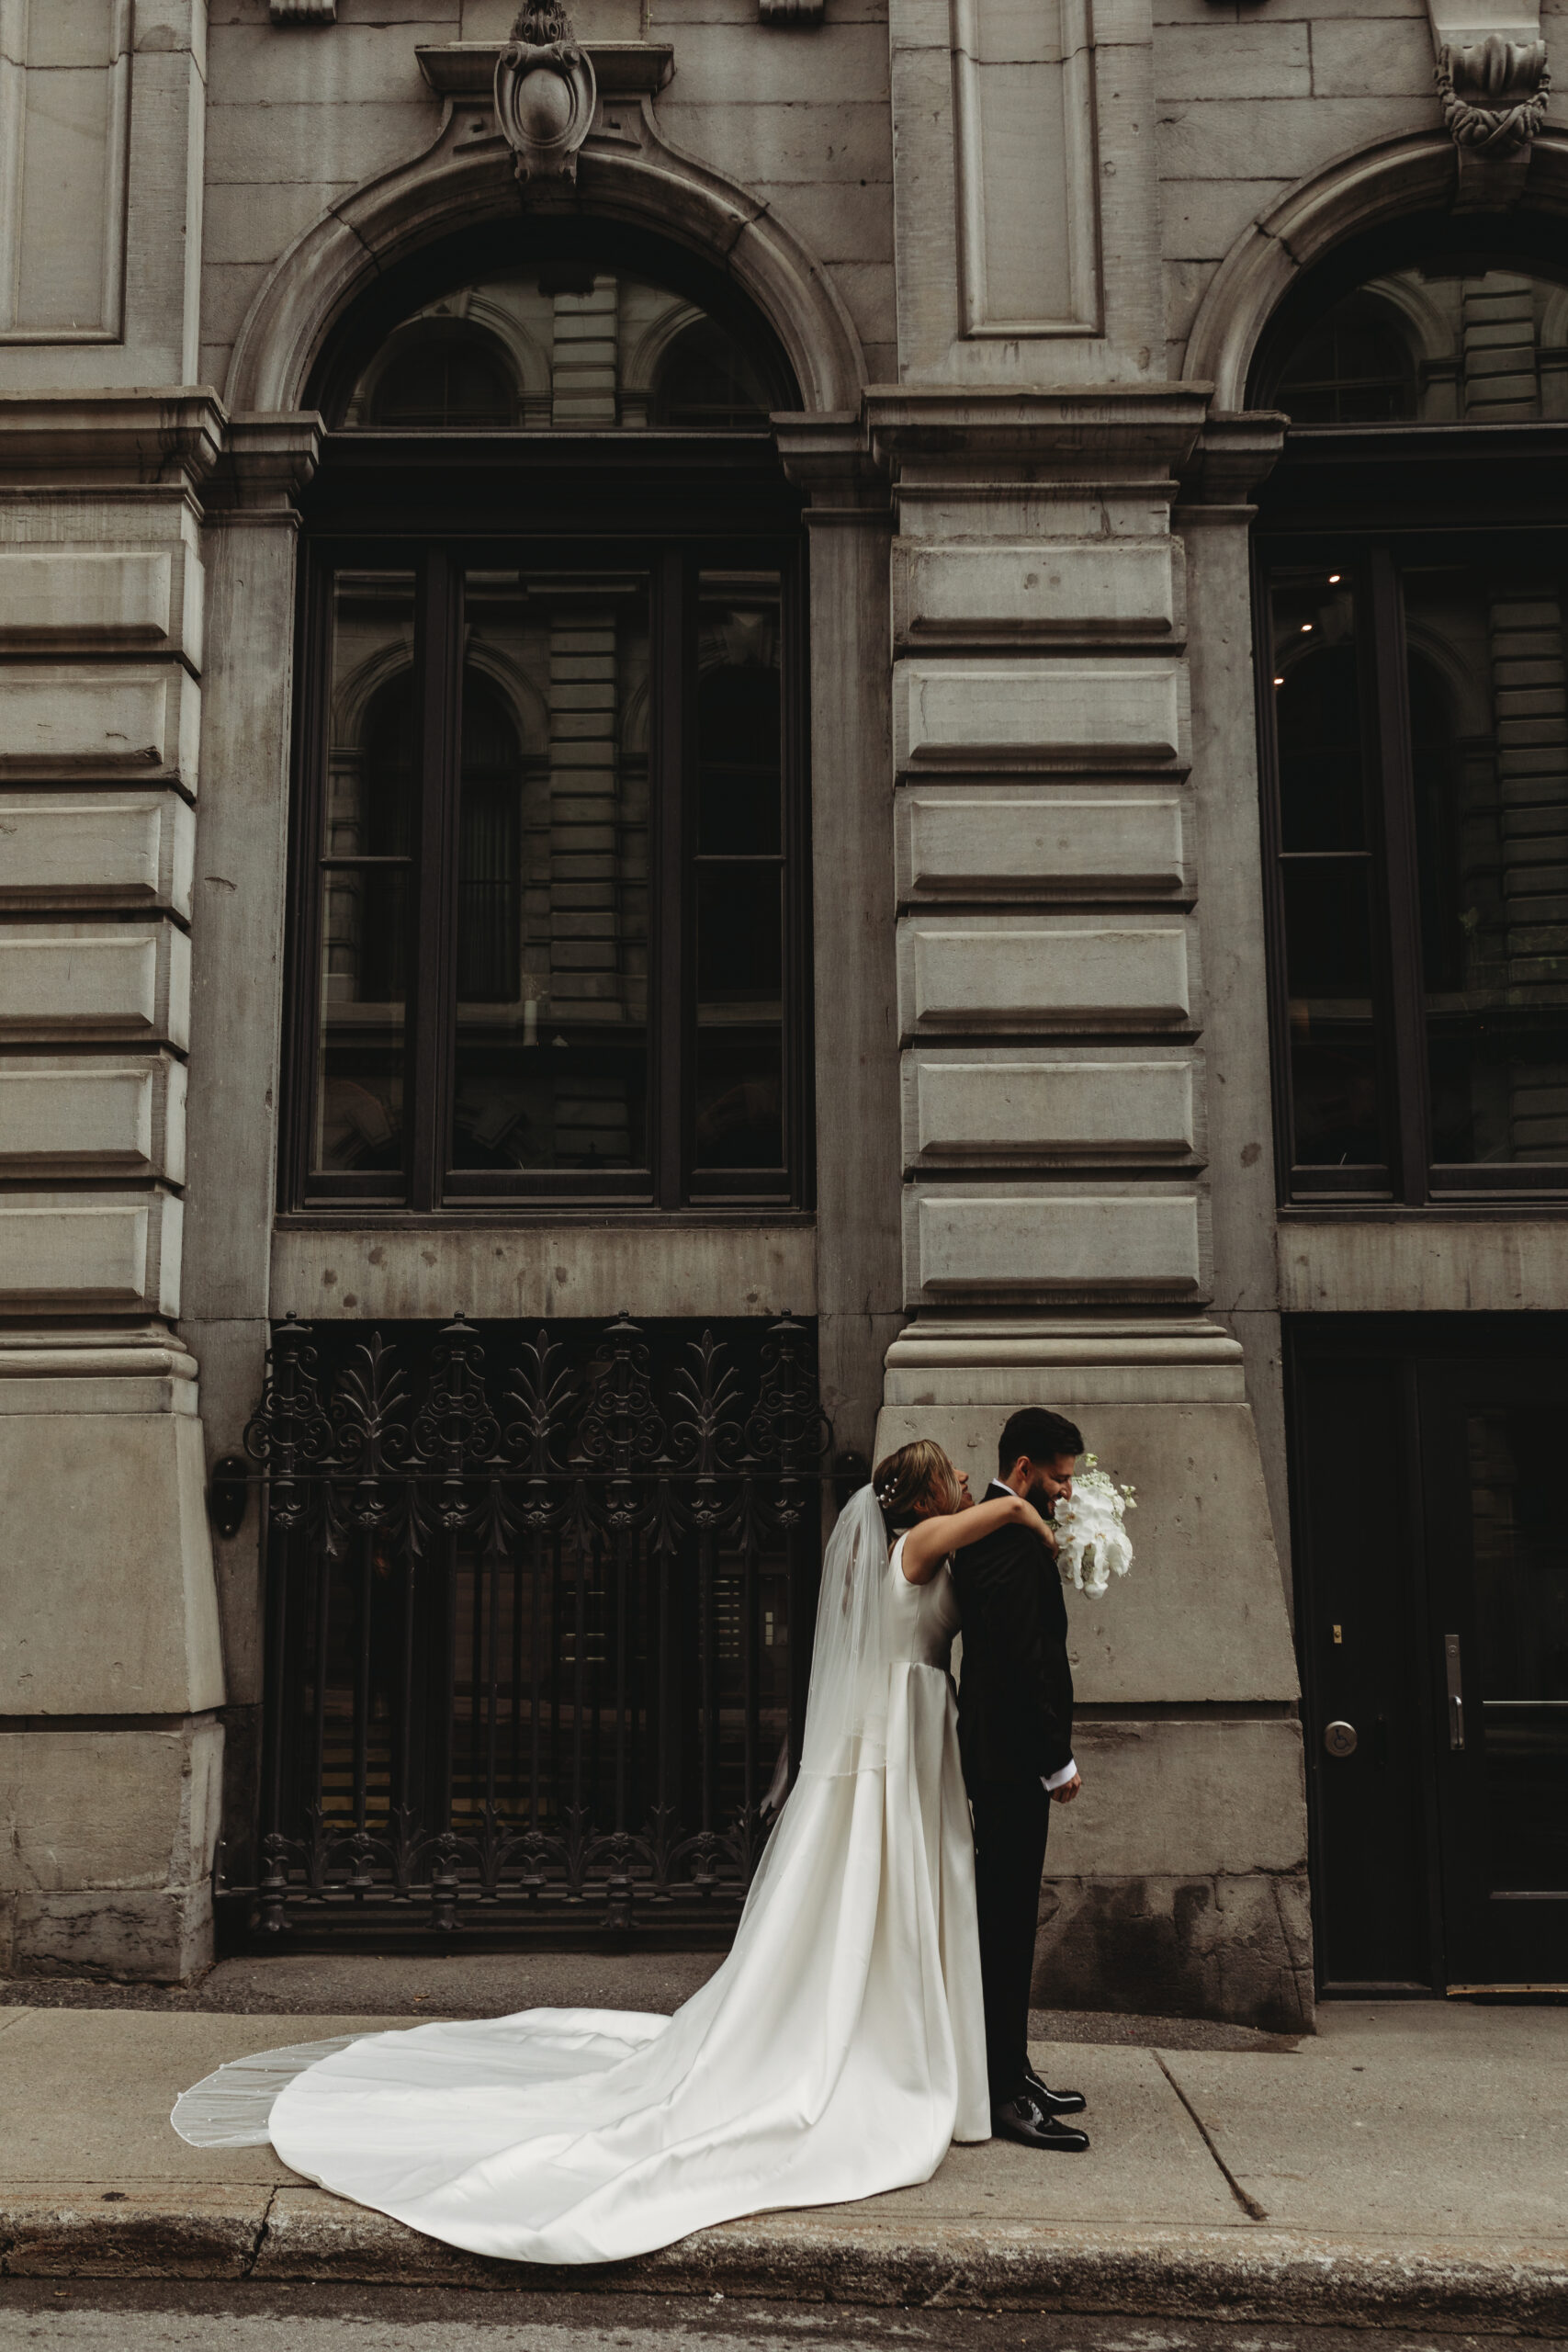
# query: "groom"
1015,1733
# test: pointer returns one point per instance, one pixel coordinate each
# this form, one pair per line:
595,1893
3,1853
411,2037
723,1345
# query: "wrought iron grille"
538,1632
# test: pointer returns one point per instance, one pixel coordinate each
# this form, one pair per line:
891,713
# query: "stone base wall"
111,1753
108,1839
1194,1902
1223,1946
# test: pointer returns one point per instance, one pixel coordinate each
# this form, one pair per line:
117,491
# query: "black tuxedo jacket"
1015,1690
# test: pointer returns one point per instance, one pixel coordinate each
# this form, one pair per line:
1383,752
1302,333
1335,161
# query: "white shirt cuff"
1058,1779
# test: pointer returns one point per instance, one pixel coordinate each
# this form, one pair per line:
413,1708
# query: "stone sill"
464,70
531,1220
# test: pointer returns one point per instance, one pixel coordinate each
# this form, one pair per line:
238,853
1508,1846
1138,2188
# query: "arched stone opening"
1324,224
652,201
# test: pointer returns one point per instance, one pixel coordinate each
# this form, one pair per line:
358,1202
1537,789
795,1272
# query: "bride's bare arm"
929,1540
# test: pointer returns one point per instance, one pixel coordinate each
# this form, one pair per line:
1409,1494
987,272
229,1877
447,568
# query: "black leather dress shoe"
1022,2120
1053,2102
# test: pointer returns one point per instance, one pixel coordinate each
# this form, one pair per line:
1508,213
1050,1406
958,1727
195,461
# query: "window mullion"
796,710
310,753
438,656
671,909
1401,886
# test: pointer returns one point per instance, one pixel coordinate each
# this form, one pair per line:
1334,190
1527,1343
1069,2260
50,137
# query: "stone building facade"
907,399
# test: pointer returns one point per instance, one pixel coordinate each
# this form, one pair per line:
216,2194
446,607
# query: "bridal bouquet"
1093,1543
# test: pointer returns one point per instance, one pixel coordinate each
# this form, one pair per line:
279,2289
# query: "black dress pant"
1011,1818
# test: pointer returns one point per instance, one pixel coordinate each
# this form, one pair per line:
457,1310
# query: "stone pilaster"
1055,830
856,1076
110,1671
250,545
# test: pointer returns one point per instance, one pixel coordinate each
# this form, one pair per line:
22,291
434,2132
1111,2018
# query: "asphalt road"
157,2317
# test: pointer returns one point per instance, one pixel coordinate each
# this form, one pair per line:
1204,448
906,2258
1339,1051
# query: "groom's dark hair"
1039,1433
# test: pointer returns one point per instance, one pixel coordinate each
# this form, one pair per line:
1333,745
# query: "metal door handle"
1455,1666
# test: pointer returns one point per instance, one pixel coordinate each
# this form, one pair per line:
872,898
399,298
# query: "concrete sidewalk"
1410,2165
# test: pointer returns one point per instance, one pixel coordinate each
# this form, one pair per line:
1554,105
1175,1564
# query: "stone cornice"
464,70
266,462
827,456
1234,457
142,437
1158,423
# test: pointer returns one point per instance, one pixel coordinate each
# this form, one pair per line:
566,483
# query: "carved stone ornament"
303,12
545,92
790,11
1494,95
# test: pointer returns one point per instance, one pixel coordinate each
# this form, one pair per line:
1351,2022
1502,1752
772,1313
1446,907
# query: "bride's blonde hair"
917,1474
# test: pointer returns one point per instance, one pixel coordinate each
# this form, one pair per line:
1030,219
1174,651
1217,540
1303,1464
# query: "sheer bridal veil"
846,1707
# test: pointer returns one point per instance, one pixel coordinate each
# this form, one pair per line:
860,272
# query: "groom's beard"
1038,1494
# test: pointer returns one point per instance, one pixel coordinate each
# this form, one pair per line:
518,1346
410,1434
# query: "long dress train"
837,2052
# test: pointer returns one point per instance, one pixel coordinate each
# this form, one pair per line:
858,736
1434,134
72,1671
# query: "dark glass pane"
1317,711
1488,687
1519,1538
569,345
739,880
740,949
1334,1058
438,380
489,873
551,1047
1355,367
366,878
708,382
738,761
740,1098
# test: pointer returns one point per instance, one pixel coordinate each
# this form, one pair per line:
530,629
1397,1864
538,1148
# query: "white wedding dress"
836,2053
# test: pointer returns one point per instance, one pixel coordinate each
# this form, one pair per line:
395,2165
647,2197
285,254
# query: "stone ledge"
1248,2272
464,70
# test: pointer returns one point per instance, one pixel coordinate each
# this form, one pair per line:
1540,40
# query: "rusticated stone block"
1002,1104
136,849
1014,973
1038,1244
954,839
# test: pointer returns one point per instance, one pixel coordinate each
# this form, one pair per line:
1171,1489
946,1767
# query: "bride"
838,2049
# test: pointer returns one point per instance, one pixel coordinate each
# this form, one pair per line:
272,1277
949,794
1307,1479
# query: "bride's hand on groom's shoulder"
1040,1527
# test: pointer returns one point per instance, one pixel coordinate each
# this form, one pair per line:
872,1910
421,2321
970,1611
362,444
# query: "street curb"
304,2235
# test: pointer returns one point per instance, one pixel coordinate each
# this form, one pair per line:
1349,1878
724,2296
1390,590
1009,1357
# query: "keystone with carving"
546,93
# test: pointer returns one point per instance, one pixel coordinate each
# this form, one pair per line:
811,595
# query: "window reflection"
740,848
568,345
1520,1536
366,878
551,1040
1327,876
1433,344
1488,689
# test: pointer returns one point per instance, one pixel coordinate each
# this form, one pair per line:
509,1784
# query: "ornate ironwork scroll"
539,1621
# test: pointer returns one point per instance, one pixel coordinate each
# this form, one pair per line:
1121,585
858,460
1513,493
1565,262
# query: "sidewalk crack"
264,2225
1250,2205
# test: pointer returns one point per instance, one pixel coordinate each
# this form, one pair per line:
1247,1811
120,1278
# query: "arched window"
551,922
1415,578
438,379
1357,367
707,381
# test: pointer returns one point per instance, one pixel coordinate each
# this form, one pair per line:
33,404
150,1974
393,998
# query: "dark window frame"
1349,497
562,527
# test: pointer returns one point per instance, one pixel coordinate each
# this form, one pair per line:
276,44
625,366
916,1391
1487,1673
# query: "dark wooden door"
1495,1467
1430,1491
